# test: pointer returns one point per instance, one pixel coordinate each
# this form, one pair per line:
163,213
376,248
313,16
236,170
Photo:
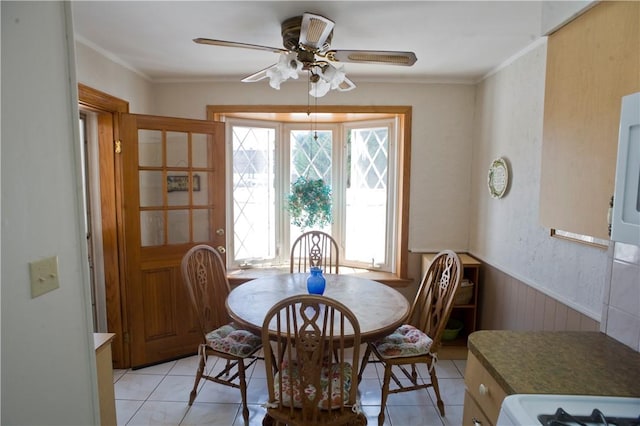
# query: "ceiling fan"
307,40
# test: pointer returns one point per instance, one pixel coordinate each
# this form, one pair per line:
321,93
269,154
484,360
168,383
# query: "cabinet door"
591,63
473,415
483,388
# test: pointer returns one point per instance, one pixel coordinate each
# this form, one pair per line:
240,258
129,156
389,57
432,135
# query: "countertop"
100,339
558,362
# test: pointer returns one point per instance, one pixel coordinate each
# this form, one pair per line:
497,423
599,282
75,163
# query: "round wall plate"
498,179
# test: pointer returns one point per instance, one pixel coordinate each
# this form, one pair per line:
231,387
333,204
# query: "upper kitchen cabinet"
592,62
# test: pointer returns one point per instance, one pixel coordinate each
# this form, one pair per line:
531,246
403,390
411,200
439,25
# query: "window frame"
278,182
403,115
392,188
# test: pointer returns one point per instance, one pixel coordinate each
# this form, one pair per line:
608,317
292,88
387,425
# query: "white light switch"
44,276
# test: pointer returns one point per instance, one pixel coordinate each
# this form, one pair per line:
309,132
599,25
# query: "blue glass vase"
316,282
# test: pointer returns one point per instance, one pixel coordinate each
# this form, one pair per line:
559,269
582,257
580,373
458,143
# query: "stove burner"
562,418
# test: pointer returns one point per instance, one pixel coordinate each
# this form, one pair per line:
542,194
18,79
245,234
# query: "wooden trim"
108,109
97,100
404,114
217,112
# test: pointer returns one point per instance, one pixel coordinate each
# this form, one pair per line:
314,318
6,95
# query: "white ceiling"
453,40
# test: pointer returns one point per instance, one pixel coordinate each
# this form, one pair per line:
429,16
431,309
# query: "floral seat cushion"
289,374
405,341
232,340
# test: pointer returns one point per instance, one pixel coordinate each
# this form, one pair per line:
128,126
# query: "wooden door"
173,198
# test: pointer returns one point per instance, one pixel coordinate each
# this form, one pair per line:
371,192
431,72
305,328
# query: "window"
253,198
370,194
357,160
362,140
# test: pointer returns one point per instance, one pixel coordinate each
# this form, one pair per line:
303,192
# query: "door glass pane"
199,152
151,188
152,228
200,188
150,148
366,195
177,189
178,229
201,226
177,149
253,193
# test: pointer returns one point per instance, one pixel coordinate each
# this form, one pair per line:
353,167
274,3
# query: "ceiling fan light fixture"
289,65
326,77
275,78
286,68
320,88
334,76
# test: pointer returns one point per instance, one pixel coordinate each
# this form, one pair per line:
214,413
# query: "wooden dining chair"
205,278
306,384
314,248
418,341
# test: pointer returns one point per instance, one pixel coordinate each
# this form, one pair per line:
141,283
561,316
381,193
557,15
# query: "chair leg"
361,420
268,421
385,393
243,391
365,361
227,368
414,374
201,366
436,389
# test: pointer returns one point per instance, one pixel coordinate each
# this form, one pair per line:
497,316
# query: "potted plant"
309,203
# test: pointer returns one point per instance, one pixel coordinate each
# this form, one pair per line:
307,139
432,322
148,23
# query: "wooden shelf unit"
467,313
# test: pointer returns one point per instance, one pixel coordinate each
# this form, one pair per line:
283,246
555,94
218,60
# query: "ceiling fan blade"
260,75
315,31
346,85
236,44
373,57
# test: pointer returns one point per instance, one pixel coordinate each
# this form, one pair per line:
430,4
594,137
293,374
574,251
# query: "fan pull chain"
315,121
313,125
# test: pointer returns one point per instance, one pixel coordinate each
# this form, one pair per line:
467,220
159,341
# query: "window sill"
239,276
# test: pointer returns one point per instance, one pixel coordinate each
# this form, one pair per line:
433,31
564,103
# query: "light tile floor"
159,395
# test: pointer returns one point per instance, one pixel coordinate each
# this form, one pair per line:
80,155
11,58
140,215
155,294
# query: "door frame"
108,109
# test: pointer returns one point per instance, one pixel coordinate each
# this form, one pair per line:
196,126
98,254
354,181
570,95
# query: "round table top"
379,308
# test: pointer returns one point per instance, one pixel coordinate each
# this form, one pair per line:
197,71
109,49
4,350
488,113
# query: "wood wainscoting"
509,304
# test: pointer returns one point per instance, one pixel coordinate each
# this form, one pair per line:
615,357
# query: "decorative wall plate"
498,179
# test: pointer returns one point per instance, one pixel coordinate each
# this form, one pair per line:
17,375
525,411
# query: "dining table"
380,309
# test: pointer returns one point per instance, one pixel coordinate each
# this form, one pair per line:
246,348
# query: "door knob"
483,390
222,250
220,231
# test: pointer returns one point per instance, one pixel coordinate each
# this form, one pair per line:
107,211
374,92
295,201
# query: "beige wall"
506,233
48,358
99,72
531,281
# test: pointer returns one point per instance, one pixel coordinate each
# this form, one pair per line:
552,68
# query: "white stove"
556,410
